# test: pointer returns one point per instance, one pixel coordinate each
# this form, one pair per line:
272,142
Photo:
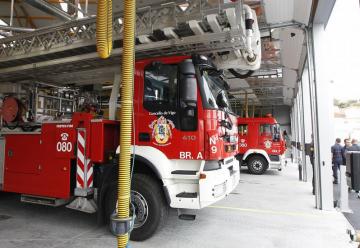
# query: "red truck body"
40,163
179,144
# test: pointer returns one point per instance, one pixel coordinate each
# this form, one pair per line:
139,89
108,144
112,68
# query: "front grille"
229,161
275,158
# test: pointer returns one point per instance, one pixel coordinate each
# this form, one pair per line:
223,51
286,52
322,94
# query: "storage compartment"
23,153
32,167
104,140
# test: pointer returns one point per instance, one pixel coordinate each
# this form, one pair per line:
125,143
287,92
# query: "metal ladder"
168,29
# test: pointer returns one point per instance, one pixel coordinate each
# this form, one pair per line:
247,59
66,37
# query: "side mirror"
188,96
157,65
276,137
188,86
221,100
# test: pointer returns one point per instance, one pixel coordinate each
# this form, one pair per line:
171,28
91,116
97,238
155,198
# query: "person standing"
337,158
312,161
347,145
354,147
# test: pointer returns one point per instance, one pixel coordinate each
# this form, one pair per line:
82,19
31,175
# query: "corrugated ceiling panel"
302,9
288,101
288,92
277,11
236,83
292,40
289,77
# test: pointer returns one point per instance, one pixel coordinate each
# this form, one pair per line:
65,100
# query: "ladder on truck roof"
228,32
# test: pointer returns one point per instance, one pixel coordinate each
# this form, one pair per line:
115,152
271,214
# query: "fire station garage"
180,123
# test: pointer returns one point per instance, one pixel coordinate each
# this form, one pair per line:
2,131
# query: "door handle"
144,137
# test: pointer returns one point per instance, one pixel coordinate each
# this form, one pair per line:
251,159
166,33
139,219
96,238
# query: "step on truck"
184,144
261,144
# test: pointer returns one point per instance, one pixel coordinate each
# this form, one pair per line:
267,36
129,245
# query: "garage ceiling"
274,84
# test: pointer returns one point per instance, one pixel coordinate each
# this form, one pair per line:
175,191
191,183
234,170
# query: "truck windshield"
271,130
276,132
212,86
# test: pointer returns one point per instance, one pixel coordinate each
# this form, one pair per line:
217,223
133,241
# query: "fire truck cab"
261,144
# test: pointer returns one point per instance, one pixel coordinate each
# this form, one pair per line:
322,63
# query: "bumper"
277,165
219,183
214,186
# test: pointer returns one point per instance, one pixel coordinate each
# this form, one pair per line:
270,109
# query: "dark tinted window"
265,129
243,129
160,87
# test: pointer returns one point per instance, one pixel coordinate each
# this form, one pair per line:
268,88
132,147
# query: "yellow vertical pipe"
126,115
104,28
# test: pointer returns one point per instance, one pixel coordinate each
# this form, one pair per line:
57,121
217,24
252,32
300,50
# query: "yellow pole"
126,115
104,28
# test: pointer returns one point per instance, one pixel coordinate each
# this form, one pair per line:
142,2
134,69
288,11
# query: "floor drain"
4,217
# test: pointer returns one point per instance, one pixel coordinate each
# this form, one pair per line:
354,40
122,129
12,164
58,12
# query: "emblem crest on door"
267,144
162,131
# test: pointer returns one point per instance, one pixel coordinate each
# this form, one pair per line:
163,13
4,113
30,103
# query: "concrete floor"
354,204
272,210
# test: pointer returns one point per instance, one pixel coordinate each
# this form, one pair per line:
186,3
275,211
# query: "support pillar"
302,129
322,114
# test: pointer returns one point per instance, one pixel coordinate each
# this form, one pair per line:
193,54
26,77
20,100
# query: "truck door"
243,138
160,119
265,137
162,122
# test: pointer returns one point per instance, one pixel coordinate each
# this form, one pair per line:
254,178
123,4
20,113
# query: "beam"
80,1
32,17
49,8
16,29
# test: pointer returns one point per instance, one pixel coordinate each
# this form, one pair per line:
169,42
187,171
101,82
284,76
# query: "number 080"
64,146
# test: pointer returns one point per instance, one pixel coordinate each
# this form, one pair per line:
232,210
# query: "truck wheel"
150,206
257,165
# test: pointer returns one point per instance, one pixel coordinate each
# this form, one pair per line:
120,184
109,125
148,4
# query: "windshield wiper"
225,123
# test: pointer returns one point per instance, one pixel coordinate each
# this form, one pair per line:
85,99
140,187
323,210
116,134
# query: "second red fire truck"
261,144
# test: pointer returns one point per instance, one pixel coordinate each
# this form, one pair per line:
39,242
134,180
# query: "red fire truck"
261,145
184,144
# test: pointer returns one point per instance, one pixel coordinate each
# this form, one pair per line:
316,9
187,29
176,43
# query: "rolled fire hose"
126,114
104,28
104,47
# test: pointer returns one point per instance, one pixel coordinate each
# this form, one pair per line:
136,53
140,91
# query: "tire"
257,165
147,195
